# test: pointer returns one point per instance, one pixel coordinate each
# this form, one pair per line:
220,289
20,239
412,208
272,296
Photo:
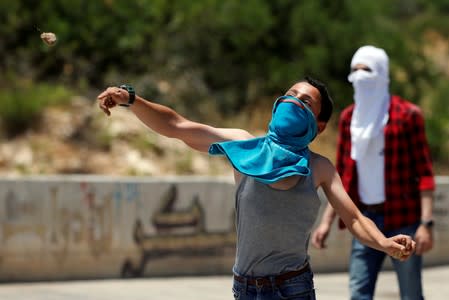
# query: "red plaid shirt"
408,166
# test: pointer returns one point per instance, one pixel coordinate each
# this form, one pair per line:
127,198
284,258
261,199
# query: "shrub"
22,105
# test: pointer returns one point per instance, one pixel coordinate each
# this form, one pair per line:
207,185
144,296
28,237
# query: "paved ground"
328,286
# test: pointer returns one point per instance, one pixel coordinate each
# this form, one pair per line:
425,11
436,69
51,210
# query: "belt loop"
246,285
274,286
259,286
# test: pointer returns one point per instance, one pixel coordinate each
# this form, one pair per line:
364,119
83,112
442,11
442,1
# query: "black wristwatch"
131,93
428,224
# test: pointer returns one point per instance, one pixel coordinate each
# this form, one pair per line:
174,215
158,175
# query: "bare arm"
167,122
400,246
424,235
320,234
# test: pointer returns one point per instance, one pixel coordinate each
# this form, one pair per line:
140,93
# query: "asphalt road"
328,287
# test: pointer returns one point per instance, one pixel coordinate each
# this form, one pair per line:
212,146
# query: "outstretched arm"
399,246
167,122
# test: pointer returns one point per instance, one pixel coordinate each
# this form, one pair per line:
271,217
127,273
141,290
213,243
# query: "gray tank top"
273,226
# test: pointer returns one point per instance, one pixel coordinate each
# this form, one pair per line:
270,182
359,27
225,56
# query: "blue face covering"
283,152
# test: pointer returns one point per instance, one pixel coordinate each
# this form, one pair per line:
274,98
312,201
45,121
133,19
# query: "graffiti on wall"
99,221
15,211
77,229
19,219
57,225
179,233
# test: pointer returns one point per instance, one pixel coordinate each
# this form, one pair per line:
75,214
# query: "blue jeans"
297,288
365,264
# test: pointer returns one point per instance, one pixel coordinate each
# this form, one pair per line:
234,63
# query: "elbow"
351,225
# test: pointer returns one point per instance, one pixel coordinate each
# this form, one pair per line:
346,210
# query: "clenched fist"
111,97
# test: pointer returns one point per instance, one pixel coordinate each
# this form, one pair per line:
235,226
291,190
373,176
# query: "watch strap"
428,223
131,93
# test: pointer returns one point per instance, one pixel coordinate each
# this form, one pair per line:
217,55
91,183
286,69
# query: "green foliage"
21,106
220,58
437,124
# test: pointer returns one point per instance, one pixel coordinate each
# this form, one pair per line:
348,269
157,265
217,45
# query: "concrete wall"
79,227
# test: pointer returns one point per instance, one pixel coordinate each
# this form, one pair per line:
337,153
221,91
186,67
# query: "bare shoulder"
322,168
320,161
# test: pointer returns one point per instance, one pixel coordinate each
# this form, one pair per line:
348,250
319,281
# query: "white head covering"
371,97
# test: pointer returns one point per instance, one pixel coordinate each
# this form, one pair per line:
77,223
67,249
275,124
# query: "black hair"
327,105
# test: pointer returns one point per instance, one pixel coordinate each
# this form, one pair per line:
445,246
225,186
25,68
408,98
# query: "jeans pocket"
296,295
298,289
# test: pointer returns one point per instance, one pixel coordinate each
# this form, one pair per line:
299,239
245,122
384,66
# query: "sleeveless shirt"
273,226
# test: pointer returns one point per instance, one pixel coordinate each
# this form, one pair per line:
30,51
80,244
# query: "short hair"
327,105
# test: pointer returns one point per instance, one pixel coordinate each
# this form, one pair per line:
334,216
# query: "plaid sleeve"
340,146
344,164
343,143
420,151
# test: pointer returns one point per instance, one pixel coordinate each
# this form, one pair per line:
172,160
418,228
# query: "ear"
321,126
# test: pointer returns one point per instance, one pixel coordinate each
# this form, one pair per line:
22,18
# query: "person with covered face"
384,161
277,177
